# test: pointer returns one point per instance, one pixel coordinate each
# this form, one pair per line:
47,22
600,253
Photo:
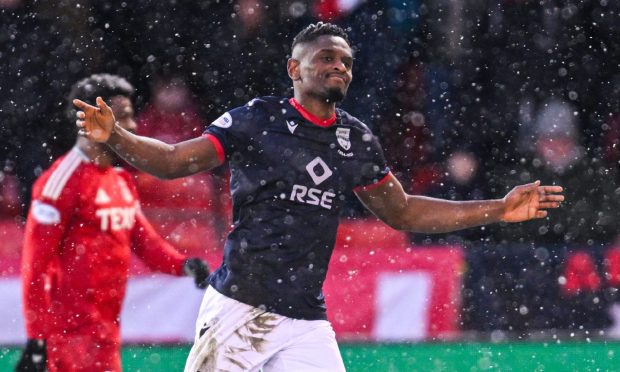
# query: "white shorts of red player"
233,336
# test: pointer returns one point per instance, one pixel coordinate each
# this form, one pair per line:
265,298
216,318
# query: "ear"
292,66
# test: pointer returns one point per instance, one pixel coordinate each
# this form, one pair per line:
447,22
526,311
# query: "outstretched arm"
97,123
391,204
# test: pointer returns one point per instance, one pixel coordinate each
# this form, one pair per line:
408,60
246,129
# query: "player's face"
325,68
123,112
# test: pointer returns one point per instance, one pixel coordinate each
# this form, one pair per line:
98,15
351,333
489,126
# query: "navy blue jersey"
290,176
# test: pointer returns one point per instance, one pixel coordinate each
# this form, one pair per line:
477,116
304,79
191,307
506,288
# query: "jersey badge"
224,121
45,214
344,140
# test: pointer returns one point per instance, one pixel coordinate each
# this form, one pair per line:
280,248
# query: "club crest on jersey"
344,140
342,134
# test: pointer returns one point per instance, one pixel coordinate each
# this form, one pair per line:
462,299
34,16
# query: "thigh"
232,336
312,348
77,353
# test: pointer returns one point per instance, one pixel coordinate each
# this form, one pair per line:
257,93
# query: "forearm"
429,215
147,154
388,201
34,302
152,249
98,124
35,299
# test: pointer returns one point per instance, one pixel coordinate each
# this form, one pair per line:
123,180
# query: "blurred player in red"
83,224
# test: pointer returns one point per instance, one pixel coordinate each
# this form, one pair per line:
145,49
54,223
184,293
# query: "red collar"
311,117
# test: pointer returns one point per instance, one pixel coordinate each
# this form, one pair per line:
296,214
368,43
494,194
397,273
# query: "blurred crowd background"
468,97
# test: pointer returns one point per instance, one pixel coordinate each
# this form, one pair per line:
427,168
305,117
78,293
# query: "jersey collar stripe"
221,155
81,154
311,117
64,177
373,185
57,181
57,174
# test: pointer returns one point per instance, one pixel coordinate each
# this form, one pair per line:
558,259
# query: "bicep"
44,232
40,244
386,200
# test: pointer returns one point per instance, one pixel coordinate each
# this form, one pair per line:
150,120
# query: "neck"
96,152
316,106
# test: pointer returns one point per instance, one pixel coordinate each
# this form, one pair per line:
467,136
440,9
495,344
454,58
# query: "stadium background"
468,97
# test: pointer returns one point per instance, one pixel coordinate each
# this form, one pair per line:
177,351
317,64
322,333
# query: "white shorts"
233,336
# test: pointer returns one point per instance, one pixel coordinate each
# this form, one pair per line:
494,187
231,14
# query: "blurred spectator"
580,275
171,116
381,33
459,178
262,29
543,283
38,62
612,268
10,196
590,213
587,220
332,10
584,299
406,134
380,48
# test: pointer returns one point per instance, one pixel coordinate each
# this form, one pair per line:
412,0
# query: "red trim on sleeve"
373,185
218,146
311,117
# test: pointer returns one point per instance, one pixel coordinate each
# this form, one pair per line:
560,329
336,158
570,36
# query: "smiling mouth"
337,77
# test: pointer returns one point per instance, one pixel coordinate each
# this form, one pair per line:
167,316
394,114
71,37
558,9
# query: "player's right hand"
34,357
95,122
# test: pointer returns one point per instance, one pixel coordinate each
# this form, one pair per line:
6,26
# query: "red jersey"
83,224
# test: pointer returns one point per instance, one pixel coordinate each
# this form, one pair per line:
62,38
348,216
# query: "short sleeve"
373,167
235,128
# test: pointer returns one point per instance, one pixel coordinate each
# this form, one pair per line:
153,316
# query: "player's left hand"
526,202
198,269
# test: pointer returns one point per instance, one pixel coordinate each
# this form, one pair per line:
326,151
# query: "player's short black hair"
314,30
98,85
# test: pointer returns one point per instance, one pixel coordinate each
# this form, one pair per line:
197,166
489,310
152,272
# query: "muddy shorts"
233,336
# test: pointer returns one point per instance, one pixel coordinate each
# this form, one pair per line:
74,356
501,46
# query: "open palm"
531,201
